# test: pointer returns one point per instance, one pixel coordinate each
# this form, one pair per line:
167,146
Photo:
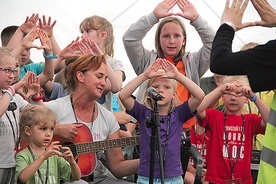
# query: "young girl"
39,163
172,114
231,132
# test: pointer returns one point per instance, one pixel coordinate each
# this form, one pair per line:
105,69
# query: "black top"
259,63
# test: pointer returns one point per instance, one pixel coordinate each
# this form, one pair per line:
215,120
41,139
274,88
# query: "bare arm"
116,162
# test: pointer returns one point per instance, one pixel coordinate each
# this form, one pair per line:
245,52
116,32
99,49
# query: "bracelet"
7,91
253,99
40,97
49,56
12,89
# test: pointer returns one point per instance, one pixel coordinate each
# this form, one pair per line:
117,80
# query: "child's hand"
163,8
45,41
169,68
90,44
188,10
67,154
247,92
69,50
29,23
152,70
47,27
27,41
228,88
53,149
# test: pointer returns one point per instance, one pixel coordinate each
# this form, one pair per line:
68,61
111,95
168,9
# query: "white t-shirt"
7,131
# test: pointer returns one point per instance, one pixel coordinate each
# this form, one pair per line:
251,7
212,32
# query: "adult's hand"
266,12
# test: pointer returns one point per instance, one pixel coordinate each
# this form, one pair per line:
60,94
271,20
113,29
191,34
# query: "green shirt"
58,168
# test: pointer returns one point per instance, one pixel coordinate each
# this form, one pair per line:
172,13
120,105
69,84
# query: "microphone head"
151,92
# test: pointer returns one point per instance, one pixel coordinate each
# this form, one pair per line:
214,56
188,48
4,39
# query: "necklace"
93,112
167,136
14,130
38,171
232,165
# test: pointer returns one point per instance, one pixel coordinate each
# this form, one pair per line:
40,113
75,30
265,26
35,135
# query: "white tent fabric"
122,13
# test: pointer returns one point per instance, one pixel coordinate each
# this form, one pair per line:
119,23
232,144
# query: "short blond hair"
241,79
35,115
148,102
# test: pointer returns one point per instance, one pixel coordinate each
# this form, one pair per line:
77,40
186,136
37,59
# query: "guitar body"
86,161
84,149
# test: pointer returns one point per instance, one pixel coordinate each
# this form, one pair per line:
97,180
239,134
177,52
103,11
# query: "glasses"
9,71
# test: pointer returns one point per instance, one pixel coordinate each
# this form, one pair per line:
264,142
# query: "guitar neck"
88,147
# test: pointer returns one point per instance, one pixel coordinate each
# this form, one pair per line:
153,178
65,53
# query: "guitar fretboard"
84,148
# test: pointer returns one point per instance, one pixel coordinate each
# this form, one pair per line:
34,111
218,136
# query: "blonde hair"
241,79
100,24
35,115
5,53
148,101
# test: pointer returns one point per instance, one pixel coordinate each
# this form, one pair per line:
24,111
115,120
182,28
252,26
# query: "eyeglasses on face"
9,71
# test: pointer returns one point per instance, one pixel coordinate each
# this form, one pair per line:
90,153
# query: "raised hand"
29,23
266,12
45,41
188,10
170,70
27,41
91,44
152,70
233,13
163,8
70,50
47,26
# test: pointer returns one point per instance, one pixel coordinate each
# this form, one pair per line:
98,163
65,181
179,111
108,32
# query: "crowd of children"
57,123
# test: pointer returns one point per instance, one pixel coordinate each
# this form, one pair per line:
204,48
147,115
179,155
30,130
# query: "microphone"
151,92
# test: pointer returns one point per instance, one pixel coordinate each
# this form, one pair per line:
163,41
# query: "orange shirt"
182,92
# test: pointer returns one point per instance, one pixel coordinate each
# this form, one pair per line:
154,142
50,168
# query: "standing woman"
86,77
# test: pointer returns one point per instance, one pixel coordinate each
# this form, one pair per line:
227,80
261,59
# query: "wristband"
40,97
253,99
49,56
7,91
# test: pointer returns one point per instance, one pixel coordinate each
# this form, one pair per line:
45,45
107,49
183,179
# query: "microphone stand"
155,143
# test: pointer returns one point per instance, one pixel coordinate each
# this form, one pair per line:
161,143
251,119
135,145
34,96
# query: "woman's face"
171,39
95,81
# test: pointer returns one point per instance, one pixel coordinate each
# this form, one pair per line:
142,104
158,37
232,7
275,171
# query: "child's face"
93,34
7,72
165,88
171,39
234,104
25,56
42,134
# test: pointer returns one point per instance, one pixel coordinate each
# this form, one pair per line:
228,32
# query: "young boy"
40,162
229,154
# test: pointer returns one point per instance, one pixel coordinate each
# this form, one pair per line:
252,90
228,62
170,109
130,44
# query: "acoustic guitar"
84,149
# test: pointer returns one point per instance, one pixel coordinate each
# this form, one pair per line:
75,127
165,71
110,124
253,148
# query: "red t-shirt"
217,154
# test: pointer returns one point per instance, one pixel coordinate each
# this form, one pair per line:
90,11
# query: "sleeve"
257,63
39,67
20,102
207,34
22,161
132,39
184,113
57,92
